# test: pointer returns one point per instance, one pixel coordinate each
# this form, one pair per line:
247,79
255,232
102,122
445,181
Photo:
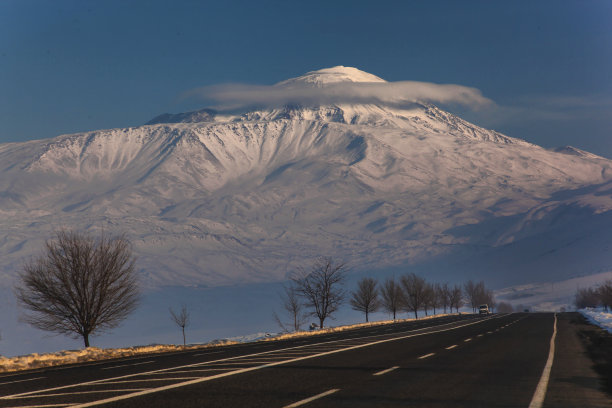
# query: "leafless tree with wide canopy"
80,285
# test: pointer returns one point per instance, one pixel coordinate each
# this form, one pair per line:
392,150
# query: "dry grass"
37,361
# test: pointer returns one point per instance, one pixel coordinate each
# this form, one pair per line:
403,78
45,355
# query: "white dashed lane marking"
315,397
78,393
128,365
388,370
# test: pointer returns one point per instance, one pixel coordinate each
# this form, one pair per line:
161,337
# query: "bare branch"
294,307
415,289
80,285
392,296
365,298
456,298
181,319
321,287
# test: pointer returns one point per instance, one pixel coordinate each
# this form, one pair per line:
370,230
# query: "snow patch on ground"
548,296
599,317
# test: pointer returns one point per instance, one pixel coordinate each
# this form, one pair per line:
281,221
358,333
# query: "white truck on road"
483,309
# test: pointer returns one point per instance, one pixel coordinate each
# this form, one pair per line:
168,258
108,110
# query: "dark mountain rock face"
203,115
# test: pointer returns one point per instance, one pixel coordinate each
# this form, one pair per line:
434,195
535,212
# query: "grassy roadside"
598,343
94,354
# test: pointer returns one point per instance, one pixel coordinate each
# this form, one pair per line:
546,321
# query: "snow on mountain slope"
212,200
333,75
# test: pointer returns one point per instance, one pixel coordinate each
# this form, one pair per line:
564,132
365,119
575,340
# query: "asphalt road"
459,361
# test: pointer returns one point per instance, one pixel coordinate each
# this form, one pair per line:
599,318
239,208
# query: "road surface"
515,360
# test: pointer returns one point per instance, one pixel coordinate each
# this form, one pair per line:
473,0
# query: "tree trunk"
321,323
415,314
86,339
393,314
183,336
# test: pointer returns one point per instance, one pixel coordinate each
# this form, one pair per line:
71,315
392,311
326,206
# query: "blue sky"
69,66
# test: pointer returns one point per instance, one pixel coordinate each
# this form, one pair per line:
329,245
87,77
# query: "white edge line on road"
127,365
466,340
451,347
18,381
388,370
145,380
540,393
44,406
314,397
188,371
240,370
427,355
80,393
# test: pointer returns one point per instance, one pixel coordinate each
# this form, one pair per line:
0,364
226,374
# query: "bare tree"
604,292
292,304
182,319
435,300
321,287
471,294
365,298
392,296
415,289
586,297
456,298
428,298
80,285
444,294
489,299
477,294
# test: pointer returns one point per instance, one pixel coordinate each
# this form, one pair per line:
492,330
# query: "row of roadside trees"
82,285
595,297
320,291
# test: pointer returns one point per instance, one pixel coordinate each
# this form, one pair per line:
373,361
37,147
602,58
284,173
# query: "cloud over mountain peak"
339,85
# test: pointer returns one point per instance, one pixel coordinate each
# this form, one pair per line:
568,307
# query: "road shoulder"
574,381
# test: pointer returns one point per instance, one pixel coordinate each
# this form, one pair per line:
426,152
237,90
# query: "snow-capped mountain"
212,199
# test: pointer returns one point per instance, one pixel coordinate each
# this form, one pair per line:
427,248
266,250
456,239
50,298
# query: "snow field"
599,317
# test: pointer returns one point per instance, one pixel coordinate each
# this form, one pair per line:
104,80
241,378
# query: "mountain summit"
217,199
334,75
